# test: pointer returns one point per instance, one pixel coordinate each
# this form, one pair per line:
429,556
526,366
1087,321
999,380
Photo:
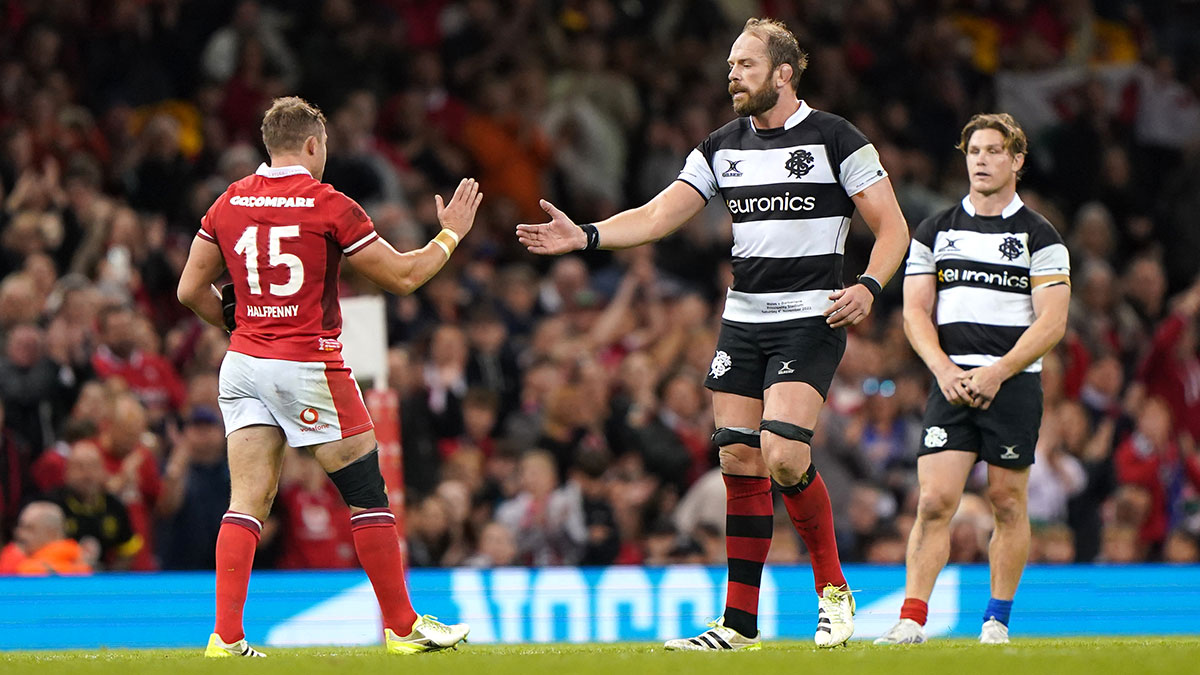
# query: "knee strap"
361,482
805,480
787,430
735,435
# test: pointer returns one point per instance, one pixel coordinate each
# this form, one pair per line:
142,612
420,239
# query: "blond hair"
782,46
1015,142
289,122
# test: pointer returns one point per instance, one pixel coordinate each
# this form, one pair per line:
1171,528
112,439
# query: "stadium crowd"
552,409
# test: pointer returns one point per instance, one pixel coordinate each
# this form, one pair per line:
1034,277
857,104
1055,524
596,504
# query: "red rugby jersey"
283,234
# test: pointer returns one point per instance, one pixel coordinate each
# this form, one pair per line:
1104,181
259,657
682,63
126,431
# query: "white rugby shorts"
312,401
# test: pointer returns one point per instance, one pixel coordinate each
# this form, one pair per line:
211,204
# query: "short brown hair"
1014,137
782,46
289,122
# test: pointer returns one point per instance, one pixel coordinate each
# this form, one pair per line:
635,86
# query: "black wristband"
593,236
872,285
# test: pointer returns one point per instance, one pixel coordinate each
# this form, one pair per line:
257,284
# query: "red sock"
748,527
813,517
378,549
236,542
917,610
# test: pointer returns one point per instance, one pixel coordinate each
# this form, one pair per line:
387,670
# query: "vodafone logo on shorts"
309,417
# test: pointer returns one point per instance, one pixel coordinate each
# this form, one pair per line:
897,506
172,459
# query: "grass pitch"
1083,656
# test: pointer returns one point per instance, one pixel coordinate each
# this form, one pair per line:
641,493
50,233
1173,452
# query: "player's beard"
757,102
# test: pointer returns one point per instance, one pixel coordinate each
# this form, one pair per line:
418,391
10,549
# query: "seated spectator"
1121,544
149,376
314,519
40,546
550,528
1181,548
432,540
497,547
1053,544
93,512
480,408
1150,459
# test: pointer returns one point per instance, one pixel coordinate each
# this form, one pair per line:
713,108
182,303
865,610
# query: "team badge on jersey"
935,437
721,364
799,163
1011,248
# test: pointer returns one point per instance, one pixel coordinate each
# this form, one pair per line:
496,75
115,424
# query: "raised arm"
403,273
652,221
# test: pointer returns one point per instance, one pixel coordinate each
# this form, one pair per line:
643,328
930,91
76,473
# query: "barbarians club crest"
799,163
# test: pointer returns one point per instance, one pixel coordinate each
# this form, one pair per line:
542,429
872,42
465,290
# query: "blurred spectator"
15,476
1172,368
1055,477
497,547
550,526
315,521
149,376
195,493
1054,544
1151,459
41,547
92,512
1181,548
27,385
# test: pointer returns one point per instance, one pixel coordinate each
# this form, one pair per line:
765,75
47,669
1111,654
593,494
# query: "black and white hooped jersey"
788,191
986,267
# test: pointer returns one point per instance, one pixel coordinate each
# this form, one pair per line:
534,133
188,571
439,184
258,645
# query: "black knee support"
735,435
787,430
361,482
805,480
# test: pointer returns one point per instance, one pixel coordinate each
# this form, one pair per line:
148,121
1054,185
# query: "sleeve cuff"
360,244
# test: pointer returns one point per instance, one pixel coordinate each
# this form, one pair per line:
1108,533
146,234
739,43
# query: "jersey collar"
796,118
281,171
1013,206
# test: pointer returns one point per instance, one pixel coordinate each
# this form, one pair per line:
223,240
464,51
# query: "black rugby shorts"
750,357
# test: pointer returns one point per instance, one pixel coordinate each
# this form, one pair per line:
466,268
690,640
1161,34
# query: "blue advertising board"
567,604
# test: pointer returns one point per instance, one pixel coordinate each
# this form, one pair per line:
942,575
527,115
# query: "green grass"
1127,656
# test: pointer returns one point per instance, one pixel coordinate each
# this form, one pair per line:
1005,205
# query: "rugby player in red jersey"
282,233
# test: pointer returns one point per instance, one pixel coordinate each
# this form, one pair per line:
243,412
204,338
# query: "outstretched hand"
560,235
459,215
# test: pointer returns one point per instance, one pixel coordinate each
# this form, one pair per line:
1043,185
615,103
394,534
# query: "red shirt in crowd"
1139,463
149,376
316,530
1176,379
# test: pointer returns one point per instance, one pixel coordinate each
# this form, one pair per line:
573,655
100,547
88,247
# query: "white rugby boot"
993,633
428,635
219,649
905,632
718,638
835,617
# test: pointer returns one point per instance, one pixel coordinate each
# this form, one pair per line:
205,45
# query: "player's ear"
1018,161
311,145
783,74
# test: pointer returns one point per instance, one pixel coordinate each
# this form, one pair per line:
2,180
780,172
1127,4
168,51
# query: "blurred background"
552,410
